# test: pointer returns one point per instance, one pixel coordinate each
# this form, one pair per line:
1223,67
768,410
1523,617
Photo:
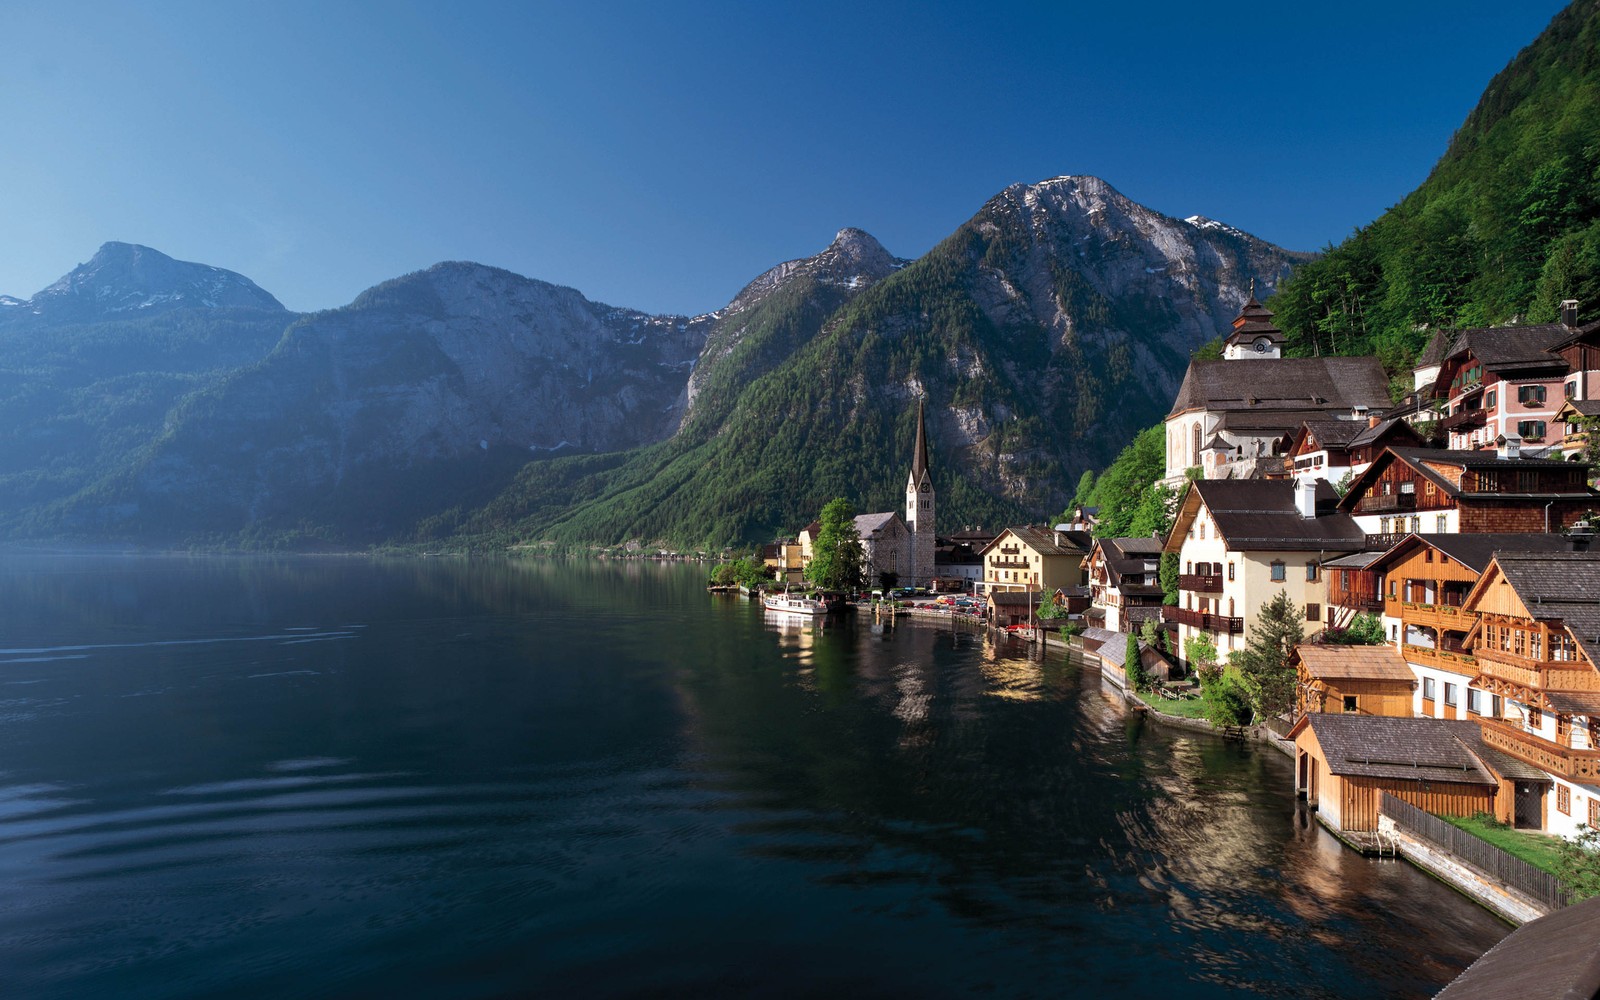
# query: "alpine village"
1378,558
1344,506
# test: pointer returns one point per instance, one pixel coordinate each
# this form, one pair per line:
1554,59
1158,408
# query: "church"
903,548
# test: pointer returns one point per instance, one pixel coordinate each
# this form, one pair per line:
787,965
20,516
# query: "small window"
1449,693
1564,799
1572,389
1230,571
1594,813
1474,701
1531,430
1349,703
1496,706
1427,689
1313,612
1391,588
1439,523
1535,718
1278,575
1311,572
1489,399
1530,394
1202,532
1428,557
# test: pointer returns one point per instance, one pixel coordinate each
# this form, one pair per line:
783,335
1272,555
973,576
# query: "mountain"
90,366
426,393
123,280
1043,334
1505,226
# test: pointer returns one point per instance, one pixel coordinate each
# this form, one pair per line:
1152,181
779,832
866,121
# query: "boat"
794,604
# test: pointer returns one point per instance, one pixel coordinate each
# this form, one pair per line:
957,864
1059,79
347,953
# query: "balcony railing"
1582,766
1200,583
1371,504
1202,620
1010,563
1538,675
1463,419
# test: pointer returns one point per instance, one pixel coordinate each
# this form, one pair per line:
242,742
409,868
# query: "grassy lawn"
1189,708
1537,849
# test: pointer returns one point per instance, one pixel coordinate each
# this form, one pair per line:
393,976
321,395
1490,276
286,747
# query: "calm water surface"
342,777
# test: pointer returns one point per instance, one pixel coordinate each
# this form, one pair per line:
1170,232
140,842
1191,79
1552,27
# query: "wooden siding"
1359,799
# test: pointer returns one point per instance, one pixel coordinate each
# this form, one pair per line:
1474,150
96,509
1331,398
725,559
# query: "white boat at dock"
794,604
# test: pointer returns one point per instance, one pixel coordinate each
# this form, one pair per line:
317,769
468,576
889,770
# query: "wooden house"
1342,762
1535,643
1425,580
1426,490
1355,680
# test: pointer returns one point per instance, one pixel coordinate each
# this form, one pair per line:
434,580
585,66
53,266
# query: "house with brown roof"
1027,557
1535,643
1124,582
1343,761
1436,491
1423,581
1355,680
1240,541
1236,417
1503,381
1332,449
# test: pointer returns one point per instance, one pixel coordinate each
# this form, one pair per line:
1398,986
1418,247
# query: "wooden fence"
1477,852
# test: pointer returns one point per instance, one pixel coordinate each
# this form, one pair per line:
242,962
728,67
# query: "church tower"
919,507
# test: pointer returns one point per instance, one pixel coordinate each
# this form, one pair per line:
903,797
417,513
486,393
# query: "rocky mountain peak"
855,259
126,279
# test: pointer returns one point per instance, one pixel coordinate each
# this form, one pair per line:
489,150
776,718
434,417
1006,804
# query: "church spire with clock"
1254,334
920,507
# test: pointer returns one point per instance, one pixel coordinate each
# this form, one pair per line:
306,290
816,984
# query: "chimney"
1373,420
1305,497
1580,534
1508,445
1569,313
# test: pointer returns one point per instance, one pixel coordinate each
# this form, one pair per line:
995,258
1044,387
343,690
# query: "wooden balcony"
1010,563
1537,675
1444,659
1582,766
1222,624
1463,420
1200,584
1377,504
1437,616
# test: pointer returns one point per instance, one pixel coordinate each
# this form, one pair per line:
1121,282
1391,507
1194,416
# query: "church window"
1196,455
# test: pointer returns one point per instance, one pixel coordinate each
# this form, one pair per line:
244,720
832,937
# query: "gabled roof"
1583,407
1434,353
1419,460
1044,540
1472,549
1405,748
1127,555
1385,428
868,525
1510,348
1330,433
1551,958
1355,663
1301,384
1260,515
1562,586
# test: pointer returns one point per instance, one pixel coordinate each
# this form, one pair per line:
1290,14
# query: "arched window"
1196,454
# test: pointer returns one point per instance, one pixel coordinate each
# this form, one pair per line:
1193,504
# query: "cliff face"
1043,334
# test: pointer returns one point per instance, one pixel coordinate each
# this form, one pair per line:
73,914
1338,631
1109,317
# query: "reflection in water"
506,777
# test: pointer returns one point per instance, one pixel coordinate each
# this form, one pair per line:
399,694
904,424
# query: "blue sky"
659,155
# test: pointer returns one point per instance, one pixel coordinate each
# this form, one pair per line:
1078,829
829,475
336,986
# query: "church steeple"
919,505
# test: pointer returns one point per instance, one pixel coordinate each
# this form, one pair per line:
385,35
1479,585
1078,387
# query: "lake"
473,778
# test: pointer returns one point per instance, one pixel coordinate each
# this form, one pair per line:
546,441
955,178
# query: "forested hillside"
1505,227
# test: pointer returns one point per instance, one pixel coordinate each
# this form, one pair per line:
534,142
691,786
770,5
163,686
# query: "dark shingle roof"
1474,550
1394,424
1044,540
1434,353
1564,585
1283,384
1505,348
1257,514
1334,433
1551,958
1128,555
1379,746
